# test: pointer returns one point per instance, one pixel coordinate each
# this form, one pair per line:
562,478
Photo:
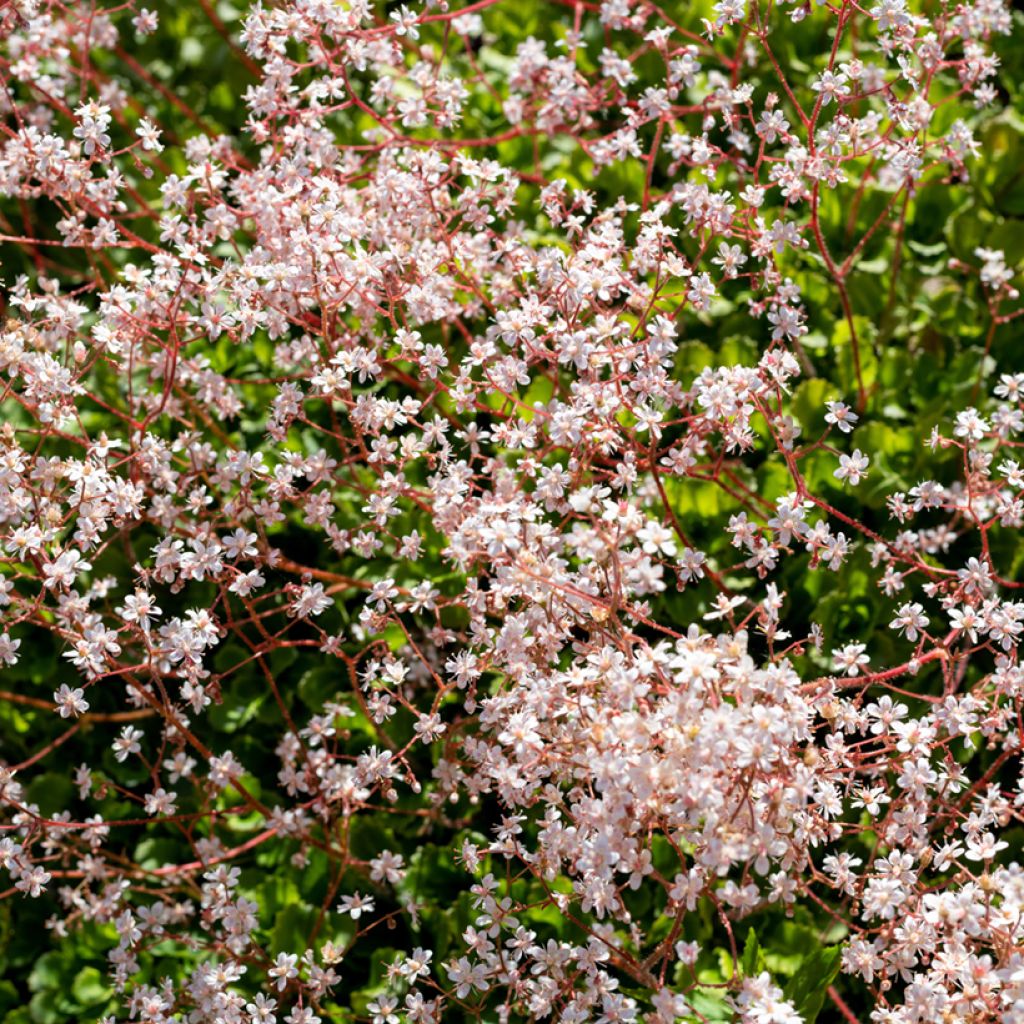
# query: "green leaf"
90,988
928,250
752,962
154,852
710,1004
806,989
292,927
8,996
46,973
808,404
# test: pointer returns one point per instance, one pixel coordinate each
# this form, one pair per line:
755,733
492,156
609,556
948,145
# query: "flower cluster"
384,428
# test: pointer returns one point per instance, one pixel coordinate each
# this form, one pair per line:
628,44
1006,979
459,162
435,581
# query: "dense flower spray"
452,477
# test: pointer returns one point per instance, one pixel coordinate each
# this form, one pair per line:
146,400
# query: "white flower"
383,1010
692,564
909,619
127,743
149,135
62,571
8,649
283,969
70,702
970,426
966,620
356,905
831,85
310,601
656,537
852,467
161,802
841,416
850,659
984,847
405,23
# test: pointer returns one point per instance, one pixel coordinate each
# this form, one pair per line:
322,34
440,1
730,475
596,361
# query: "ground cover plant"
511,512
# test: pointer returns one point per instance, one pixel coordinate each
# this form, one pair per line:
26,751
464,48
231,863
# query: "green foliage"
806,989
